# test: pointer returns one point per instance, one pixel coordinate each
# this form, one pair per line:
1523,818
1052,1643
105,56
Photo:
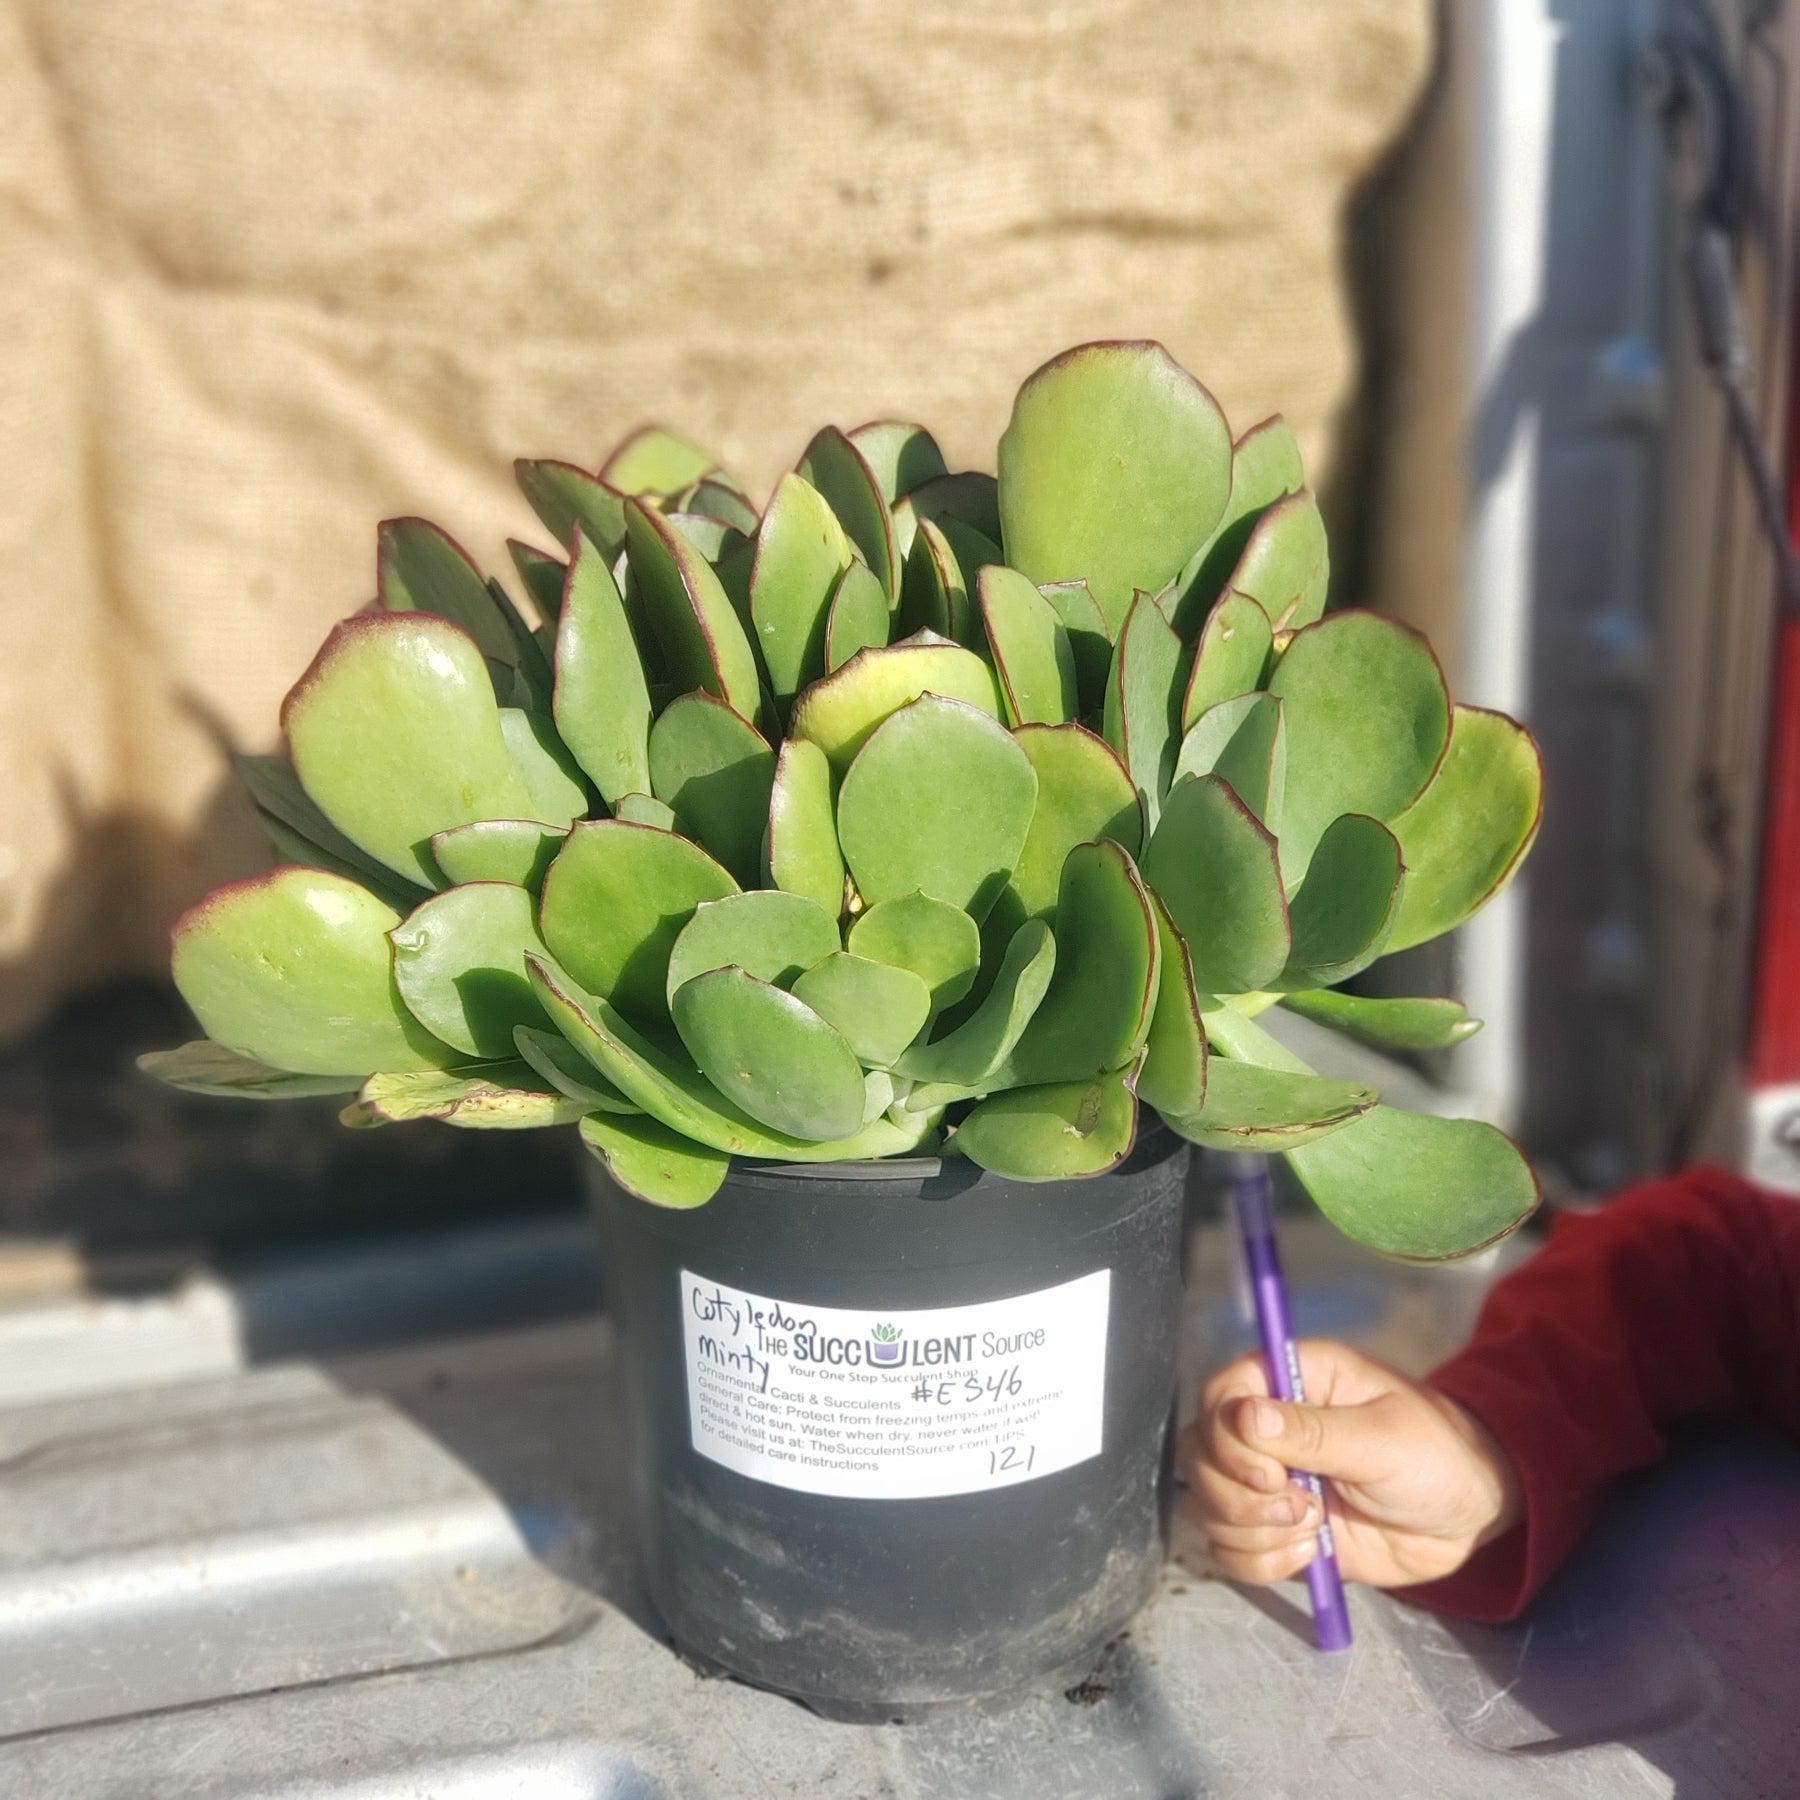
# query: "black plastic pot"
1050,1416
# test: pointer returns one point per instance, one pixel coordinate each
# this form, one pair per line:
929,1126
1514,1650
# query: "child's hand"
1417,1484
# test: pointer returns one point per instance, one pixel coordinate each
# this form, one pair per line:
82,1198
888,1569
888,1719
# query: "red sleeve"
1679,1300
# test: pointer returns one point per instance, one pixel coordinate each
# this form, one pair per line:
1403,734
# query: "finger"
1333,1374
1352,1443
1220,1500
1256,1539
1263,1566
1244,1376
1227,1450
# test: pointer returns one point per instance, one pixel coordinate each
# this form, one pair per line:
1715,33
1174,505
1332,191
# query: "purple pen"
1256,1221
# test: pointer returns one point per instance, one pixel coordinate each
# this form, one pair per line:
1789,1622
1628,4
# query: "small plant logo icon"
884,1344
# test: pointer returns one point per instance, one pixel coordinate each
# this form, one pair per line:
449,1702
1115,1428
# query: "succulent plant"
926,811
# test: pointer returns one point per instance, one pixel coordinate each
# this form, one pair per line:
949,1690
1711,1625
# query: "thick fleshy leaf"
645,809
1466,835
519,851
565,497
602,704
968,497
1420,1188
851,489
1366,719
1399,1024
420,568
1265,465
1242,742
973,552
1090,640
801,552
934,596
802,846
1173,1076
1031,650
716,770
771,1054
938,942
310,837
670,1089
1102,995
294,970
1286,564
561,1066
646,1158
858,618
840,712
500,1096
655,460
1344,911
615,901
965,791
558,794
204,1067
1231,657
969,1054
368,725
1053,1132
880,1009
766,933
459,960
1114,469
542,576
1216,869
1143,701
1248,1108
696,624
717,499
901,456
1083,795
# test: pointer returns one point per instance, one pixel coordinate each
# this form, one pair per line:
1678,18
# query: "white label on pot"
896,1405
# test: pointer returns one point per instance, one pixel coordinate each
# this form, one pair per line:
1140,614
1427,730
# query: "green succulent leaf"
968,1055
542,576
1241,741
1398,1024
801,553
1286,565
702,637
1090,640
1083,795
714,498
774,936
1247,1108
1141,701
367,725
1231,657
500,1096
648,1160
559,1065
880,1009
851,489
645,809
934,596
420,568
716,770
459,960
615,900
1217,870
1343,913
967,497
1366,719
938,942
1114,469
204,1067
602,706
1053,1132
901,456
293,969
771,1054
517,851
1466,835
1265,465
1031,650
565,497
802,846
973,551
1102,994
840,712
858,619
657,461
558,794
1174,1073
966,791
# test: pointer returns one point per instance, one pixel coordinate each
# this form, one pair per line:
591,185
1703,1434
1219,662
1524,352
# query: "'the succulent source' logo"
884,1344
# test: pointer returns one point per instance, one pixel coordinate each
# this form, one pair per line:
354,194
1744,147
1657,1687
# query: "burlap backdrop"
273,269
